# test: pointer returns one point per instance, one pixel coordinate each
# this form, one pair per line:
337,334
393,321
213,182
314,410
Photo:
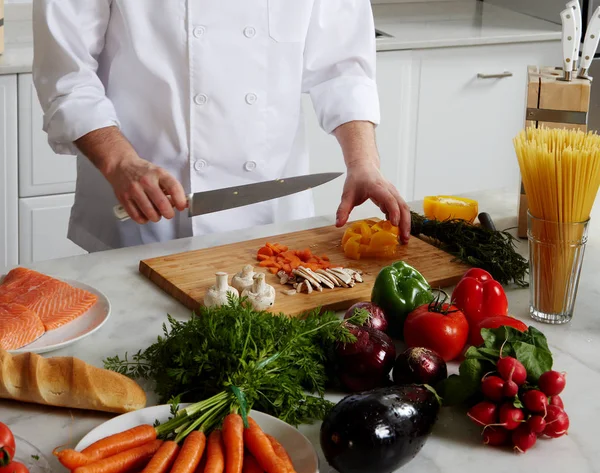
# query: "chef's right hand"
142,188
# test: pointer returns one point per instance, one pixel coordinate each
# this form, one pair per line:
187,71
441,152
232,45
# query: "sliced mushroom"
324,274
320,279
304,274
340,273
338,280
309,288
299,286
291,292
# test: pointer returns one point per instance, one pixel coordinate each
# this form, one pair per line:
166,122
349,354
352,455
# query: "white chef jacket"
210,90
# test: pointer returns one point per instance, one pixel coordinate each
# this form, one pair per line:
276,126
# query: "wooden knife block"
552,103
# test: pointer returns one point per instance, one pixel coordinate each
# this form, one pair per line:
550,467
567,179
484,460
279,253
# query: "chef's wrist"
107,149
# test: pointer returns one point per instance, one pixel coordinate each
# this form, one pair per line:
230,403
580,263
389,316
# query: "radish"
552,383
523,438
556,401
484,413
491,387
537,424
535,401
510,389
557,422
512,369
495,436
510,416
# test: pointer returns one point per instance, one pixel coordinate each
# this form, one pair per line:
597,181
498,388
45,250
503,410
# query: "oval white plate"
31,457
81,327
303,455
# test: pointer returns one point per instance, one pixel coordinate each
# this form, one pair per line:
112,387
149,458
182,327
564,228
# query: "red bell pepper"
479,296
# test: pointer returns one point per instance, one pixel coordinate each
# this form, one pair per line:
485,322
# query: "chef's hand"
142,188
365,181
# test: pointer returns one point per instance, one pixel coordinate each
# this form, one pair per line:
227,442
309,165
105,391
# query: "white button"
250,165
198,31
200,165
200,99
249,32
251,98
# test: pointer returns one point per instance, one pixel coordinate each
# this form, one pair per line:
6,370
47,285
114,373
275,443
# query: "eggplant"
379,431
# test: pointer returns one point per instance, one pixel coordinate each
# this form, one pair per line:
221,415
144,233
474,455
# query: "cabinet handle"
494,76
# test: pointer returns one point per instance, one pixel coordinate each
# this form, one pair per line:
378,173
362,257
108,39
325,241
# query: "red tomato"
7,445
14,467
445,333
494,322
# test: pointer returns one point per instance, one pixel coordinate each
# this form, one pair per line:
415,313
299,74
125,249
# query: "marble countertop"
411,26
140,308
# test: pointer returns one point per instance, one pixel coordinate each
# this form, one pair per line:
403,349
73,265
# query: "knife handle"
574,4
568,40
590,44
486,221
122,215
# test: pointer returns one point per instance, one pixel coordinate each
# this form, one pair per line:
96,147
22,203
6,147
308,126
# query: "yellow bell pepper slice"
379,240
444,207
352,247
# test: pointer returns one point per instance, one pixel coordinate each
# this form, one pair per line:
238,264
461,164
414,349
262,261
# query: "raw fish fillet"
19,326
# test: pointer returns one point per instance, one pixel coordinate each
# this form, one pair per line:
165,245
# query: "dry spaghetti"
560,170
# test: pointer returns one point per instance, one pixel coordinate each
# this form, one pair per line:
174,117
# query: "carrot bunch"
231,449
278,257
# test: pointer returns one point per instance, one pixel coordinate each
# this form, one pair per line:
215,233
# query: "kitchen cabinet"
41,171
43,223
8,171
471,105
395,86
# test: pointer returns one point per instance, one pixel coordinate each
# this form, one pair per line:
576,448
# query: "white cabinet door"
9,229
394,81
41,171
43,228
466,124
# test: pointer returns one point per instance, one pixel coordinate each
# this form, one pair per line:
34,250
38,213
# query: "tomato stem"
440,306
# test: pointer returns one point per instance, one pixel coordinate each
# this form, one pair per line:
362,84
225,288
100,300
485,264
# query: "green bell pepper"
398,290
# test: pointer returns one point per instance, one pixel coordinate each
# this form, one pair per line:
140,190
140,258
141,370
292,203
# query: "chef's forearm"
357,140
105,148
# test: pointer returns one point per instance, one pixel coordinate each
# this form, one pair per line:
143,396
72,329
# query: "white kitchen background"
445,128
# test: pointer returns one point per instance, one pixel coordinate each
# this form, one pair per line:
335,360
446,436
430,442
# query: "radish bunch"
515,413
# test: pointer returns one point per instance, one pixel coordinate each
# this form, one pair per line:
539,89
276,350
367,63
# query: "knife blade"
574,4
201,203
568,42
592,35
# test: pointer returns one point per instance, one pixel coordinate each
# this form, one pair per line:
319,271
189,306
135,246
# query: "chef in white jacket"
168,97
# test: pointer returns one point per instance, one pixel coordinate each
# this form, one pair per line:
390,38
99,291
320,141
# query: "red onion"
377,318
366,363
419,366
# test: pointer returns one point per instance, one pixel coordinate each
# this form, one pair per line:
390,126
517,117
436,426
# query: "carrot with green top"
260,447
233,439
163,459
282,453
215,453
106,447
191,453
251,465
124,461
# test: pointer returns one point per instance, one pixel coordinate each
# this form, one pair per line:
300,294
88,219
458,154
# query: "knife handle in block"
590,44
122,215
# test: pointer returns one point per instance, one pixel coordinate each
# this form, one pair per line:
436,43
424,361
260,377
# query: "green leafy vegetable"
493,251
274,362
530,348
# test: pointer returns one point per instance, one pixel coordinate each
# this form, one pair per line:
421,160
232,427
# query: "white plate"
81,327
299,448
31,457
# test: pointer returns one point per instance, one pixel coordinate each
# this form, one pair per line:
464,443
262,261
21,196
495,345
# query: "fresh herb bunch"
529,347
273,360
493,251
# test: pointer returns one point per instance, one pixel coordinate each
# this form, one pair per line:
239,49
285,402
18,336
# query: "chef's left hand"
365,181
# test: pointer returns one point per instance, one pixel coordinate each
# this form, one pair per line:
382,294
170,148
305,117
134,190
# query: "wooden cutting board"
187,276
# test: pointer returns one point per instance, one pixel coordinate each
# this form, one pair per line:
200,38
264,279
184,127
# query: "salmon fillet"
55,302
19,326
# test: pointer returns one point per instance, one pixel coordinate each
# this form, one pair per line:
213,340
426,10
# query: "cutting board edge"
166,286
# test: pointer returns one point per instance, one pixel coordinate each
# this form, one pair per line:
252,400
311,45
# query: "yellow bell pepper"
369,238
444,207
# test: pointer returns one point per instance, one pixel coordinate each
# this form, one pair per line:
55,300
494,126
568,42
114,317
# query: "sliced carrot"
287,268
191,452
251,465
282,453
265,250
123,461
163,458
325,258
259,446
233,439
215,453
273,270
262,257
272,247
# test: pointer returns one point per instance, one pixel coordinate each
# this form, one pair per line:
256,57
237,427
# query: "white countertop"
140,308
412,26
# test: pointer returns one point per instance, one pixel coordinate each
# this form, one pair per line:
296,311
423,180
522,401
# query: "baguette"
67,382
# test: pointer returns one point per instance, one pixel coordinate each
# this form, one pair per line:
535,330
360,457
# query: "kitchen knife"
207,202
592,35
568,41
574,4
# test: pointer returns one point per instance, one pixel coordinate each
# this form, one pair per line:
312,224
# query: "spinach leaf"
535,360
